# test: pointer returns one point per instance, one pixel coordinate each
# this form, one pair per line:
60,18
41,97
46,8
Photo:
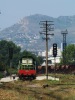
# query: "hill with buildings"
25,33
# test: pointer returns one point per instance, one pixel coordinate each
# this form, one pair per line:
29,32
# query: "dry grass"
33,90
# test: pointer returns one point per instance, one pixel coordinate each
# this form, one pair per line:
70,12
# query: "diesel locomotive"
27,68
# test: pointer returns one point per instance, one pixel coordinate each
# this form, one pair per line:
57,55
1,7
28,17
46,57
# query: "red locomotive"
27,68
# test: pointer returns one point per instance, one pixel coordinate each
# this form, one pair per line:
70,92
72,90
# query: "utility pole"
64,33
47,26
10,58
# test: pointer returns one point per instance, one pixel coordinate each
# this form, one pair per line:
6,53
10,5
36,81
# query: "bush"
11,71
1,75
2,66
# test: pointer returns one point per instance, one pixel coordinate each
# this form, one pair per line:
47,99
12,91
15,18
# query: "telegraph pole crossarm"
46,26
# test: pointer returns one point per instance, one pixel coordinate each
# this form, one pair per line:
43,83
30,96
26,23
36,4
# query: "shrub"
1,75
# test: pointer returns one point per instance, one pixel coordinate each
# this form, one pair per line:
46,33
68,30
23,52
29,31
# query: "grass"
33,90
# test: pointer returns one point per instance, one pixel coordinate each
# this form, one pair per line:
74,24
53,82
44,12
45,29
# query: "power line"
47,26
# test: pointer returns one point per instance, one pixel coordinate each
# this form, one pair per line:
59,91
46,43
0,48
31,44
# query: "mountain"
25,33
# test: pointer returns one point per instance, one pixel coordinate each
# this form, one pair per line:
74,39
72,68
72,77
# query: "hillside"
25,33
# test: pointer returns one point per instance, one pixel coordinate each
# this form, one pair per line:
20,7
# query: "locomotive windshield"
26,61
27,64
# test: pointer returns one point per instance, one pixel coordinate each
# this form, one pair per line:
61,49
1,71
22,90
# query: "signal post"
55,54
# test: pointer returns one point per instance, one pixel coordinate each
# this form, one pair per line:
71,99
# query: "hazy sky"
14,10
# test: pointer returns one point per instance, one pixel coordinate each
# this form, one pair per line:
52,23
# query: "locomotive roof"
27,57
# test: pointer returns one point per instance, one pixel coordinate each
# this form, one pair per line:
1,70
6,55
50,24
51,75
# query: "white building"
51,59
50,52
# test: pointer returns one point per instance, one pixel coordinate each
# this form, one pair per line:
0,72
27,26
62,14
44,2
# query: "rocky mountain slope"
25,33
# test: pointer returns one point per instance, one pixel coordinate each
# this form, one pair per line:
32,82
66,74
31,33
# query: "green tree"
17,54
4,53
70,54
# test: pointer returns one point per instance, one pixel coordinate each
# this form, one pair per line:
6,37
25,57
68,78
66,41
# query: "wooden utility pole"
46,25
10,58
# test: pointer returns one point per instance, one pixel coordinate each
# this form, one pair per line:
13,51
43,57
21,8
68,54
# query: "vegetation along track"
34,90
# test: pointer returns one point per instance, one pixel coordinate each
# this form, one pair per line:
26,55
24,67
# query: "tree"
17,54
70,54
4,52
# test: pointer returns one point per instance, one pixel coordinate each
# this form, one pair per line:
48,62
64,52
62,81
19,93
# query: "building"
50,52
51,59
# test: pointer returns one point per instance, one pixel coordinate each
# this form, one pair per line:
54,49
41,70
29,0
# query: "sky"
13,11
